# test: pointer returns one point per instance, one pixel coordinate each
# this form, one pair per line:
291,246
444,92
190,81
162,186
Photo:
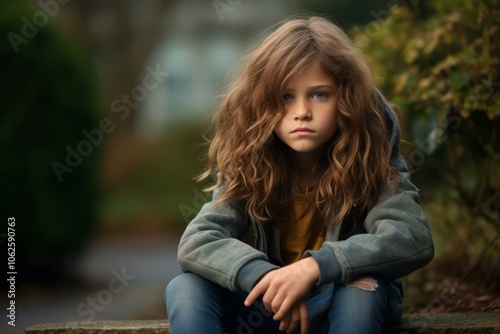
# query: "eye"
320,95
287,97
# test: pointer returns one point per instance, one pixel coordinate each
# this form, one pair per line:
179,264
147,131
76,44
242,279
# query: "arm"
398,239
397,242
210,247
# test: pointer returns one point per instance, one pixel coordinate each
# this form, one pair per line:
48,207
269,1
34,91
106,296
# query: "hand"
297,315
283,288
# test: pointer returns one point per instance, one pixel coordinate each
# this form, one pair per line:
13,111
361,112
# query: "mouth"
302,131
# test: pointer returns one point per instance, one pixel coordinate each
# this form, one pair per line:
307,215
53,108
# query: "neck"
308,171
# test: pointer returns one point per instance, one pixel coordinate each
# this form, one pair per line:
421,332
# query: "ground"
455,283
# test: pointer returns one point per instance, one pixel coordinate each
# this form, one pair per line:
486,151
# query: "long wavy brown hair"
256,167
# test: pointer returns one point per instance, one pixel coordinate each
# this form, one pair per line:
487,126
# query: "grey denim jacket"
392,241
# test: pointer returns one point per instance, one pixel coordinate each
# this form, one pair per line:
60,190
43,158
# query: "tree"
442,70
49,168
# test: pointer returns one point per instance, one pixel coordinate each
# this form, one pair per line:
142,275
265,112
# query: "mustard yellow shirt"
299,236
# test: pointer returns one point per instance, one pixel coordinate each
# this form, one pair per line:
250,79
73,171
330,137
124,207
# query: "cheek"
331,120
278,129
329,113
279,125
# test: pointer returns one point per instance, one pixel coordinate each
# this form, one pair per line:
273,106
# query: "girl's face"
310,112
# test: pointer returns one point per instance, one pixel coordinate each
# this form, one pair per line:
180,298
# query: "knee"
369,283
180,285
175,284
187,288
174,292
366,283
189,294
371,290
361,303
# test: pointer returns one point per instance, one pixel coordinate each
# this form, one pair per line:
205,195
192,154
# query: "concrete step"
442,323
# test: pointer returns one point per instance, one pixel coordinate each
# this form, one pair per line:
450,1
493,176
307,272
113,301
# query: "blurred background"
105,104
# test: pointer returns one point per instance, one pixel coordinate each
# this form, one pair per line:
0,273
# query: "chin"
305,150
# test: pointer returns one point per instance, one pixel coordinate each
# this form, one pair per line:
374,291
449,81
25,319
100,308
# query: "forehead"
312,75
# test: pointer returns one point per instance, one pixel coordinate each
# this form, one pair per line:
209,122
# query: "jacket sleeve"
398,239
211,247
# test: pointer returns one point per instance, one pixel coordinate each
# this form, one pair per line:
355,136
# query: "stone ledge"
448,323
102,327
453,323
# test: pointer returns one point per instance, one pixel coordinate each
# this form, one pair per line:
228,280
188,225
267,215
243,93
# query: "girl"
313,218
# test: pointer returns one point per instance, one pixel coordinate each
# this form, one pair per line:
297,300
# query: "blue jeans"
196,305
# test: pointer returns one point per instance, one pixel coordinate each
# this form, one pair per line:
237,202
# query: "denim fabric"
196,305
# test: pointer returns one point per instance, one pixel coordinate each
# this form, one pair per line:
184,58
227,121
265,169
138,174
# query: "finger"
276,301
285,307
284,322
269,297
294,320
304,318
259,289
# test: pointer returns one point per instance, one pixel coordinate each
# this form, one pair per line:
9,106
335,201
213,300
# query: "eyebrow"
326,86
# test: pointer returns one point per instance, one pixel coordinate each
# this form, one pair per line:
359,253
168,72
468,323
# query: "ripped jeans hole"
364,283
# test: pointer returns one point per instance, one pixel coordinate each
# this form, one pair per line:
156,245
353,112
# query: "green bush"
439,61
48,98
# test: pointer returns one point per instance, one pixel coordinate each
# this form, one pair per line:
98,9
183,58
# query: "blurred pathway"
127,278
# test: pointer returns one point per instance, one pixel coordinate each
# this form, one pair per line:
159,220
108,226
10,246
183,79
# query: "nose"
301,110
